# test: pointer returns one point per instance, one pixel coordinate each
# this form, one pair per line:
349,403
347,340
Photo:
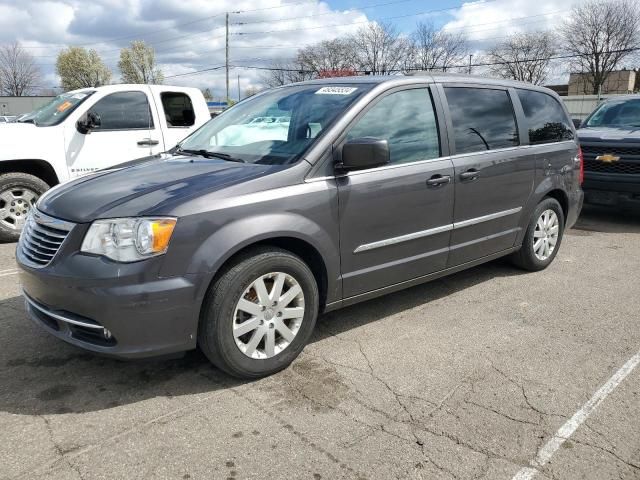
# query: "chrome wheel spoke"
261,291
553,241
285,331
251,346
289,296
270,343
29,196
294,312
246,327
276,291
538,234
249,307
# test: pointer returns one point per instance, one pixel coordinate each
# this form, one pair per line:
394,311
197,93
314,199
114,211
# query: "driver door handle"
438,180
147,142
470,175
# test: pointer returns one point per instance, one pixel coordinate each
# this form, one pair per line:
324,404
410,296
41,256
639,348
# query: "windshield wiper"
209,154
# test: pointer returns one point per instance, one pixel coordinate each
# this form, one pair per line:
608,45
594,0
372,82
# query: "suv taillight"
581,160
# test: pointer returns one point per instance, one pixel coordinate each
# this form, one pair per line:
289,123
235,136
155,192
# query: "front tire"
259,313
19,193
542,238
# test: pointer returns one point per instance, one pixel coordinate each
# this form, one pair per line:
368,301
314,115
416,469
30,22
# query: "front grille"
42,237
621,151
632,168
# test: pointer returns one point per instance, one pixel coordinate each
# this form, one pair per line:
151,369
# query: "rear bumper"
576,200
124,318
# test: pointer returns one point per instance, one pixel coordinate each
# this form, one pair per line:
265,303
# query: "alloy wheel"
15,203
545,236
268,315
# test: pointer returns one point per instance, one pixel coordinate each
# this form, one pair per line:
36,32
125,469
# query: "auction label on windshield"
336,90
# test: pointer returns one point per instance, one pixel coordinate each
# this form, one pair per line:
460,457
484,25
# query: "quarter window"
405,119
546,120
123,111
483,119
178,110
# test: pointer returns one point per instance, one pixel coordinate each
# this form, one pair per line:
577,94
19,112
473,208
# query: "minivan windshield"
275,127
57,109
616,113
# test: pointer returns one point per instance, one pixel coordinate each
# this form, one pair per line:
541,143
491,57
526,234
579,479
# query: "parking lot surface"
466,377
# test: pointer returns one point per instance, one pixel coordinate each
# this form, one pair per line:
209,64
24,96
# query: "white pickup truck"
86,130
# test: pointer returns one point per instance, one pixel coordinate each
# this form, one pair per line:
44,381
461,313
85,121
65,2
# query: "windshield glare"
57,109
622,113
276,127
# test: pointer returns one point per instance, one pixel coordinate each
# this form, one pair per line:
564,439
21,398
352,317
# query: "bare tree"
380,49
283,73
433,49
600,34
19,75
523,56
335,55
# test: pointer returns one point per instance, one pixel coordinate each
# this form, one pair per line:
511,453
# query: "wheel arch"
562,198
38,168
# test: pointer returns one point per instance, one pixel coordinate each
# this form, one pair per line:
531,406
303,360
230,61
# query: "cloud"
188,35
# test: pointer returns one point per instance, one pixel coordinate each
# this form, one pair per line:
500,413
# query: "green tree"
80,68
138,64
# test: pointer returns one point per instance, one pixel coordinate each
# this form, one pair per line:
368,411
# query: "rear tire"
18,194
542,238
249,331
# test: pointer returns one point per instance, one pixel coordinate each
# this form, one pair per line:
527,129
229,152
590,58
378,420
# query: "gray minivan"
236,240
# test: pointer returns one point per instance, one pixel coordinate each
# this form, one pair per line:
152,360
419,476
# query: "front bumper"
611,189
125,316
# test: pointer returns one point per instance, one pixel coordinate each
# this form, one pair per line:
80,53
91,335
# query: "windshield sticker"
336,90
79,96
63,106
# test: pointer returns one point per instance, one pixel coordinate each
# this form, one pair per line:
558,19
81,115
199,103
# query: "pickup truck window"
178,109
546,120
123,111
483,119
407,121
57,109
276,127
616,113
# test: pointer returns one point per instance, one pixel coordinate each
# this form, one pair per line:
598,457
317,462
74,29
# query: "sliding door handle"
470,175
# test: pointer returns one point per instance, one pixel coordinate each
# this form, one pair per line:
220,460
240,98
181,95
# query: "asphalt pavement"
491,373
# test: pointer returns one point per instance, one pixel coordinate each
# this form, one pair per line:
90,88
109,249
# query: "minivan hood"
603,134
148,186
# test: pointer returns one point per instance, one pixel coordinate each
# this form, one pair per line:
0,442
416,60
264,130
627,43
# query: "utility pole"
238,88
470,57
227,54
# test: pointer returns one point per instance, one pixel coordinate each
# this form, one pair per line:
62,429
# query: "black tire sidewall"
220,309
534,262
12,180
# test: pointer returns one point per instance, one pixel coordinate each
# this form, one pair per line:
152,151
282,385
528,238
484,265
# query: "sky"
188,35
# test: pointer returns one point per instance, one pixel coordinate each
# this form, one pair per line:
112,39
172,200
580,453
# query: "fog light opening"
106,334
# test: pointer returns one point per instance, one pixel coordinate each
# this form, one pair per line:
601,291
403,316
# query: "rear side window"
546,120
123,111
178,110
483,119
407,121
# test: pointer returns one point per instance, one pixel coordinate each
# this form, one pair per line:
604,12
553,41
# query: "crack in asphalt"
58,449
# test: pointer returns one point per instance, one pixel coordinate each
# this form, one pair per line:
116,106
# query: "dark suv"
610,139
302,199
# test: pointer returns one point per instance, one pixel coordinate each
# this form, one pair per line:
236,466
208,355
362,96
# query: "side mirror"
88,122
366,152
576,122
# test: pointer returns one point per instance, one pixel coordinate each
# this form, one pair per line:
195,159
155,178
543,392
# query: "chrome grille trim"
42,237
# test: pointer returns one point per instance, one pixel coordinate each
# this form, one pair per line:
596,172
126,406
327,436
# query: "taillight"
581,160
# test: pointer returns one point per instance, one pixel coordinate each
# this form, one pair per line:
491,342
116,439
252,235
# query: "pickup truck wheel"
19,193
259,314
543,237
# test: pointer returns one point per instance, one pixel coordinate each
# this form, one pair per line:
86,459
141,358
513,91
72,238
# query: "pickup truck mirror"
576,122
88,122
365,152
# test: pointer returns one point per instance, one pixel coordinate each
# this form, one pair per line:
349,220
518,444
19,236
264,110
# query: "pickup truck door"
177,115
128,130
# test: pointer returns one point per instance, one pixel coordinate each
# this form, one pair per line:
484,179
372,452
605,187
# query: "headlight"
129,239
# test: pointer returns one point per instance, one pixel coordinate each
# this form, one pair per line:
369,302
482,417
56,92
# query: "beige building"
618,82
